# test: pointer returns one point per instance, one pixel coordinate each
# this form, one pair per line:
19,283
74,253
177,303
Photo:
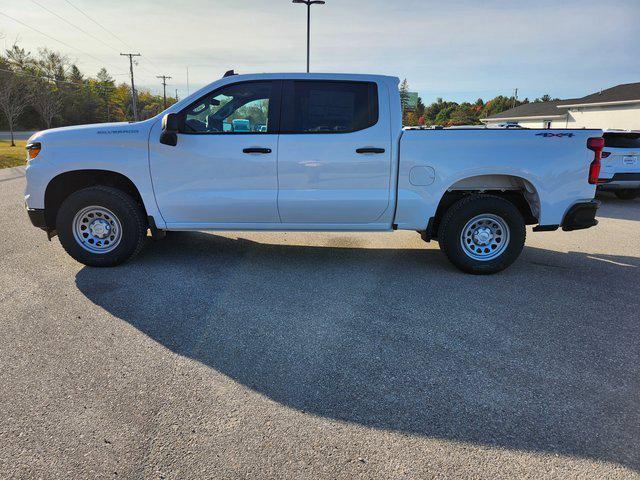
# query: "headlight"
33,149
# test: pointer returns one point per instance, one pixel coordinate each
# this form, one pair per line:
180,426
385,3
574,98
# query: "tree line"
46,90
449,114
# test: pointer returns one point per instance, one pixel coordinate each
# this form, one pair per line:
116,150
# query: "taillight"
596,144
605,154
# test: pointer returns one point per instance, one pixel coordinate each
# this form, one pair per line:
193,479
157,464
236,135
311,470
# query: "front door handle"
370,150
256,150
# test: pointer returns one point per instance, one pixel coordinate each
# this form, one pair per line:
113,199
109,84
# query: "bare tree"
13,100
44,98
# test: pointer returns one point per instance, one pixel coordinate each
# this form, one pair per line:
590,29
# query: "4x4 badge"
554,135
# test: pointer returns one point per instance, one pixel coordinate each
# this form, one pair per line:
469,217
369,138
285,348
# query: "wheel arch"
518,190
61,186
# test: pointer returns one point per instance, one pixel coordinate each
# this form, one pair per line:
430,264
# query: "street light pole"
308,33
308,3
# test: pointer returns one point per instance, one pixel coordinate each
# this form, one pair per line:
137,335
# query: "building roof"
533,109
620,94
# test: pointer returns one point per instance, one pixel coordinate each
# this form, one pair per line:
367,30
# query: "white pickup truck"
620,172
307,152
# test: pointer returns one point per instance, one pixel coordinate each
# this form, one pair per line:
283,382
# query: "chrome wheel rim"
485,237
97,229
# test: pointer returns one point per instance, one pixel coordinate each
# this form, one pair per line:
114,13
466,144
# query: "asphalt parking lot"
305,356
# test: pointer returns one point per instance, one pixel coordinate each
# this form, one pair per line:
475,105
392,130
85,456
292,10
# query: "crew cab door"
223,170
334,154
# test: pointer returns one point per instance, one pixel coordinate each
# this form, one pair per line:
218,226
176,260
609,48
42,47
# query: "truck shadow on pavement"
613,207
542,357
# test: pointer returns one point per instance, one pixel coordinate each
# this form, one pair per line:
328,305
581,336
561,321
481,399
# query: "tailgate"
620,160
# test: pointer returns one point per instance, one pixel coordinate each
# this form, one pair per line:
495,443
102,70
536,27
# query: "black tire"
130,215
627,193
455,219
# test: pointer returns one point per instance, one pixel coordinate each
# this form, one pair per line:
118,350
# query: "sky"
457,50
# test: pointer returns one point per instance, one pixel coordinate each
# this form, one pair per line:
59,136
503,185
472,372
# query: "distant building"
616,107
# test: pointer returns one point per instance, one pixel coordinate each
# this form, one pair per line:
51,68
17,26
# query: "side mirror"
169,135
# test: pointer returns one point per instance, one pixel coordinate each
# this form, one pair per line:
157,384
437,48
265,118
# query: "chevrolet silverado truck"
333,156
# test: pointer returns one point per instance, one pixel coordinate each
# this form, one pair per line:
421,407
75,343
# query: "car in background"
423,127
241,125
508,125
620,171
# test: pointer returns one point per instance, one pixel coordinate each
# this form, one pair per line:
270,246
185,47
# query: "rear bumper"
620,180
36,215
581,215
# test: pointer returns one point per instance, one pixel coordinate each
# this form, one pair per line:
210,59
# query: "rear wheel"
627,193
482,234
101,226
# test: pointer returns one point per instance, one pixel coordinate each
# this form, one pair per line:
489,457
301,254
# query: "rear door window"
329,106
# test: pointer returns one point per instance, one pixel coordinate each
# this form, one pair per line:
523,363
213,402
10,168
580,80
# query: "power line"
80,29
95,84
100,25
73,25
55,39
110,33
40,77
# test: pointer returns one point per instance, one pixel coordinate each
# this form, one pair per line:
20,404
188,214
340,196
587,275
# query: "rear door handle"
370,150
256,150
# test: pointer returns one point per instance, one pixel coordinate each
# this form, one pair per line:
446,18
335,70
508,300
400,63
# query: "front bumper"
581,215
37,217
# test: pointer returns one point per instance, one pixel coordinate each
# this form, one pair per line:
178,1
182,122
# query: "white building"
616,107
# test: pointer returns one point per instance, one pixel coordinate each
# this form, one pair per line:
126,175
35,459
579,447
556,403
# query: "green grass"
12,156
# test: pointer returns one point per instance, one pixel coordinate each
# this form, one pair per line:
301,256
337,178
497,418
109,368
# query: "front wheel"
101,226
627,193
482,234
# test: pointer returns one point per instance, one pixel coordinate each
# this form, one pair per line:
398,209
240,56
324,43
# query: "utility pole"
308,3
164,88
177,95
133,87
515,97
106,102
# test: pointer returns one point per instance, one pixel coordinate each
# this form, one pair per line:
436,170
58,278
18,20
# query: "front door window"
237,108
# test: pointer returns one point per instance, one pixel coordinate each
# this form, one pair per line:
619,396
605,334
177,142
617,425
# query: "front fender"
118,148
